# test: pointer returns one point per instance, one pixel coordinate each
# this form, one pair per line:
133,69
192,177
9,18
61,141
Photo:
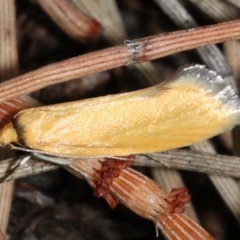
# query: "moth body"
193,105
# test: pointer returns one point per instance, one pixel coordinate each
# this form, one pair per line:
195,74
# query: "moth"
192,105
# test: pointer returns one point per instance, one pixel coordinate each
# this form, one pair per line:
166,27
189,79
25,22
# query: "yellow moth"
193,105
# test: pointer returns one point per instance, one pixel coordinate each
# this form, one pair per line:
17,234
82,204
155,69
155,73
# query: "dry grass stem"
204,162
194,161
112,27
8,41
234,2
227,187
220,11
1,236
71,20
14,168
140,50
6,193
232,53
8,69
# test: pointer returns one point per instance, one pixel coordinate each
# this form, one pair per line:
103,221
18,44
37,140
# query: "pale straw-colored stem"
195,161
1,236
71,20
14,168
8,69
113,26
220,11
235,3
227,187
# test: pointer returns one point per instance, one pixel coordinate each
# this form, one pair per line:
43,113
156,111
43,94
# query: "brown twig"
1,236
8,69
113,27
146,198
74,22
140,50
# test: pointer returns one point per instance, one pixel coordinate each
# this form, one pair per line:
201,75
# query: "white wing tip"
212,82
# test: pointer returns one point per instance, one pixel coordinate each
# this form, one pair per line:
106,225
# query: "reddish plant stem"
139,50
72,20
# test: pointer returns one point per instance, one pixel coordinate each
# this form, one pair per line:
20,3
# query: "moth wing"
195,104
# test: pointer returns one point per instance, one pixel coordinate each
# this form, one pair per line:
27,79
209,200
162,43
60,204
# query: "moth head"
8,134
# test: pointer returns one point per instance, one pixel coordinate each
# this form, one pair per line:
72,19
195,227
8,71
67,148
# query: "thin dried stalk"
14,168
6,193
1,236
141,50
234,2
71,20
232,53
220,11
176,159
227,187
8,44
227,140
211,163
236,140
8,69
113,27
144,197
185,228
